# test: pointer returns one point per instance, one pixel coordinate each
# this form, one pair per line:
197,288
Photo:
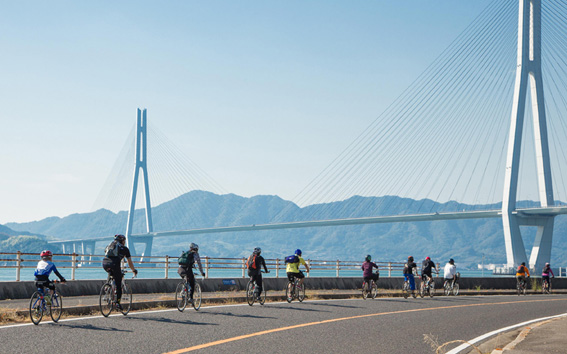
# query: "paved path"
387,325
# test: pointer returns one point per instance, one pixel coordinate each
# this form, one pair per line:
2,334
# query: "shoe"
191,301
118,306
48,300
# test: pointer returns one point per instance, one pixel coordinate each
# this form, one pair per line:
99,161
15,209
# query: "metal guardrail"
77,262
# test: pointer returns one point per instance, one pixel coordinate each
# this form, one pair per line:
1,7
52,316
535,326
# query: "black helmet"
119,237
451,261
257,250
410,258
194,246
524,264
368,257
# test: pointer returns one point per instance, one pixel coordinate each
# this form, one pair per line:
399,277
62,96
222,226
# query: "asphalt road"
386,325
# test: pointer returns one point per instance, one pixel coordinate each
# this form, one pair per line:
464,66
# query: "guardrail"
164,264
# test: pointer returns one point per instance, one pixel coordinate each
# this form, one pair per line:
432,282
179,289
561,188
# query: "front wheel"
181,296
289,292
431,289
364,291
36,309
250,293
446,289
126,301
422,290
106,299
300,292
197,297
405,290
56,306
263,296
374,290
524,289
456,289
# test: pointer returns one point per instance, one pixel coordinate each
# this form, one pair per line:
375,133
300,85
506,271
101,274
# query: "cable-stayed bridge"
460,132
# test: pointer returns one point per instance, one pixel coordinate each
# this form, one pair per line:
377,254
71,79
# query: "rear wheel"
56,306
197,297
181,296
36,310
405,290
289,292
300,292
250,293
374,290
106,299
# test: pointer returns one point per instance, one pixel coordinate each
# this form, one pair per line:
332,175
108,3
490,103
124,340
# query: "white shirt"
450,271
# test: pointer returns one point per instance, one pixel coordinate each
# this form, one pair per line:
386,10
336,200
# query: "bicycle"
546,286
182,295
521,286
251,290
427,287
406,289
107,300
373,291
294,291
41,303
451,287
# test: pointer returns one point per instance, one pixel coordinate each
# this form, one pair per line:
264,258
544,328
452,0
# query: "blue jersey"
45,268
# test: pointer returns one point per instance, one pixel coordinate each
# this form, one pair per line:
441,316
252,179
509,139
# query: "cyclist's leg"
411,282
117,274
301,278
191,281
259,285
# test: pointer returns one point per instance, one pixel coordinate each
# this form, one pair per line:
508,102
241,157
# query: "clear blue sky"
261,94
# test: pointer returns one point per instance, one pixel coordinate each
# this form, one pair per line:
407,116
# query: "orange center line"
255,334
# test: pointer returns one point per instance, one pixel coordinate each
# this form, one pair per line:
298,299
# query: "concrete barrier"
24,289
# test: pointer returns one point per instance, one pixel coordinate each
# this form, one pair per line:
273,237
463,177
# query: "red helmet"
427,258
46,253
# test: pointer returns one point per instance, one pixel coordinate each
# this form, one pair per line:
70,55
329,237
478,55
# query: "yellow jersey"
522,271
294,267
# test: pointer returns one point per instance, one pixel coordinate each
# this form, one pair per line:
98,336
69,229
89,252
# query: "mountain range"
467,241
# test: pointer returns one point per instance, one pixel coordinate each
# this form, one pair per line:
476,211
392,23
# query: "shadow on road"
168,320
230,314
90,327
334,305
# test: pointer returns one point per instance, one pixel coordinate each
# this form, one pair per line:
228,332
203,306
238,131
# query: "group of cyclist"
117,250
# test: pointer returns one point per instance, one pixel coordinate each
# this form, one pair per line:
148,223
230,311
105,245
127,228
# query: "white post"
73,265
389,269
337,268
166,266
243,267
206,266
277,267
18,265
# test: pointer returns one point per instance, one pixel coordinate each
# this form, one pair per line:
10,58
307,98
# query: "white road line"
490,334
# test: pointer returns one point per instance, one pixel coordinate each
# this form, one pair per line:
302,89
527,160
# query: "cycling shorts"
299,275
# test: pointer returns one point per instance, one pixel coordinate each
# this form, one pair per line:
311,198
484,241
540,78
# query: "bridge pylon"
528,75
141,164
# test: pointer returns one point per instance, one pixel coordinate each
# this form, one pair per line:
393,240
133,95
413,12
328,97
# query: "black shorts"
299,275
40,284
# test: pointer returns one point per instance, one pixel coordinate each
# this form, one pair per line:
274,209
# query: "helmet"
451,261
524,264
427,258
410,258
119,237
257,250
194,246
298,252
546,264
46,253
368,257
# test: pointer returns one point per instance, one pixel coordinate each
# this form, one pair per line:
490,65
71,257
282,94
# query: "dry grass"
8,316
433,342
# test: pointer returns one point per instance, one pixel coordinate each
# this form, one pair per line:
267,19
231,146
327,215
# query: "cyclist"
522,273
450,271
43,270
409,269
186,270
255,264
426,268
545,273
293,271
367,267
113,255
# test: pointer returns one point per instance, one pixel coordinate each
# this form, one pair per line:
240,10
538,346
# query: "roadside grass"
8,316
433,342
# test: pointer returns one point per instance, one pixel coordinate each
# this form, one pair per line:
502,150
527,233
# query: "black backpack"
186,258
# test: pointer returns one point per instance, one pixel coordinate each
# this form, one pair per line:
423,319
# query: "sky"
262,95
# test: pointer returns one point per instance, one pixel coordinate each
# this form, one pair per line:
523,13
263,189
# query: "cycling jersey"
522,271
545,272
294,267
427,266
409,267
450,271
367,269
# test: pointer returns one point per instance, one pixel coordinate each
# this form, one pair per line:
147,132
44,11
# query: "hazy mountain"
465,240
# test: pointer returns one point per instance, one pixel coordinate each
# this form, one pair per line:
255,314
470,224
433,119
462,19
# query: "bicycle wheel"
300,292
126,300
250,293
431,289
519,288
181,296
374,290
446,288
197,297
422,290
56,307
405,290
106,299
524,289
289,290
364,290
456,289
263,297
36,309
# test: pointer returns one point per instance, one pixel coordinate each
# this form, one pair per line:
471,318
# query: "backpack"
186,258
111,250
520,269
292,259
251,263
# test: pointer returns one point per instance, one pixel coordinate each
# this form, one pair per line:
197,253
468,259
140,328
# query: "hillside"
465,240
